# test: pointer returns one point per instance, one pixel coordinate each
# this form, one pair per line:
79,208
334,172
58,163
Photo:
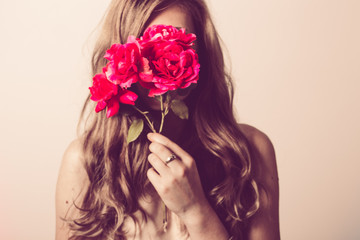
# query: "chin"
152,103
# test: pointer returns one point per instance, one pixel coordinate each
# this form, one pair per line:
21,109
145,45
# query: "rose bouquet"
160,61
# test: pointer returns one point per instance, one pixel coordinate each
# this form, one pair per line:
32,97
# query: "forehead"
175,16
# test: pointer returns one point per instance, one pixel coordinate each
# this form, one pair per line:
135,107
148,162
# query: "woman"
222,181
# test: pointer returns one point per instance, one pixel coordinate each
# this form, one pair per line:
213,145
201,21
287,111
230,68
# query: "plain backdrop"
296,64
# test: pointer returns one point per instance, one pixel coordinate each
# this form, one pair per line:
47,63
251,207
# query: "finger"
173,147
163,153
158,164
153,177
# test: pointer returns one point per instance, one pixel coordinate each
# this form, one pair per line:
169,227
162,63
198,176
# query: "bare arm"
70,187
264,225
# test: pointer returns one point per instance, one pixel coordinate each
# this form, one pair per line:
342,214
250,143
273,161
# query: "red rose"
161,60
168,33
122,68
169,62
109,95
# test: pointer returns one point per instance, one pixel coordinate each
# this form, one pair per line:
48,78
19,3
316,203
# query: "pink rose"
167,33
109,95
169,62
122,68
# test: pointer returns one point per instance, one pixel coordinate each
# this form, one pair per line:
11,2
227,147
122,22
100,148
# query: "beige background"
297,68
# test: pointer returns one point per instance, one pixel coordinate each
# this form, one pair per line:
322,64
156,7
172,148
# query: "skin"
177,183
181,174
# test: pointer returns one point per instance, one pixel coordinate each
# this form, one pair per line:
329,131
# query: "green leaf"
180,109
135,129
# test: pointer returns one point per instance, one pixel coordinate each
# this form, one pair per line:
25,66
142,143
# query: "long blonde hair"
117,170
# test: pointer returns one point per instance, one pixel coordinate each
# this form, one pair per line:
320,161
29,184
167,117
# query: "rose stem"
165,222
147,119
163,113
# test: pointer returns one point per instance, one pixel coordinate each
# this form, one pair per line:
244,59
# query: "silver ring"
171,158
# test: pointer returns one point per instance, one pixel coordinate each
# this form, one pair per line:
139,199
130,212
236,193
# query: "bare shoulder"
265,223
70,188
73,154
264,160
258,140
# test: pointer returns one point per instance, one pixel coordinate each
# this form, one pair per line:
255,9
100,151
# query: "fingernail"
149,135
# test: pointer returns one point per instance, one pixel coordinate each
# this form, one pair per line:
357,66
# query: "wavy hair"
117,170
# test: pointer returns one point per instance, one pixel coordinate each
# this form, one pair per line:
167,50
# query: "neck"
173,126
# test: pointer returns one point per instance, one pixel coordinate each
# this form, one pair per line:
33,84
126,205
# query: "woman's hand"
177,182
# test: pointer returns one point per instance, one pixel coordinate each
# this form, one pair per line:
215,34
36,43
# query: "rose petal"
156,92
170,62
113,51
129,81
102,89
123,61
112,107
131,39
186,59
100,106
146,78
147,85
128,97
